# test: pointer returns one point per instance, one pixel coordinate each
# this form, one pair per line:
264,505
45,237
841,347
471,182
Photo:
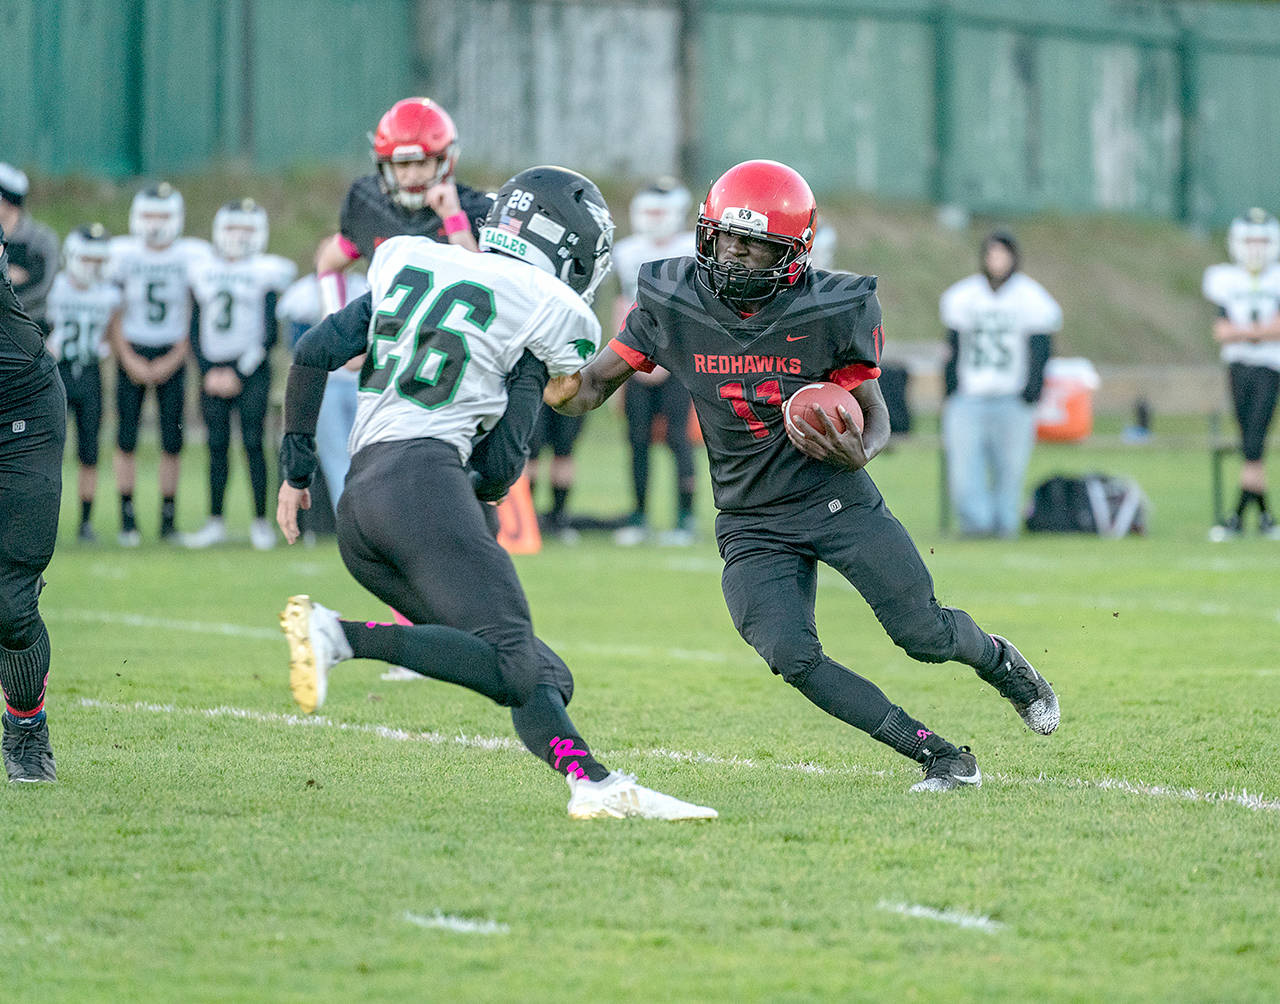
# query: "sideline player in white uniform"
659,229
1247,295
236,291
1000,325
443,327
150,340
80,307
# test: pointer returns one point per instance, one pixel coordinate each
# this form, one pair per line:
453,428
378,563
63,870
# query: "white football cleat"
262,535
130,538
618,796
213,532
316,645
397,673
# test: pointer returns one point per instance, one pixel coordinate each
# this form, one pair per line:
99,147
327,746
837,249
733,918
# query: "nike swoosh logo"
795,338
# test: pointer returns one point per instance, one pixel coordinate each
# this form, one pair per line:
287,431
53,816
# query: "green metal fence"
137,87
1141,106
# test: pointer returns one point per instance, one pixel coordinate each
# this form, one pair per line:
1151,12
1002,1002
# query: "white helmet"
823,254
85,253
659,211
157,215
240,229
1253,240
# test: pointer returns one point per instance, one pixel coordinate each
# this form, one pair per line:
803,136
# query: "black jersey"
740,370
369,216
25,366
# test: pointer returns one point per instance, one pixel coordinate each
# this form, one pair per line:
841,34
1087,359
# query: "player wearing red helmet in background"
411,192
744,324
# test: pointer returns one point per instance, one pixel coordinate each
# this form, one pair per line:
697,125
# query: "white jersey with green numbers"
448,326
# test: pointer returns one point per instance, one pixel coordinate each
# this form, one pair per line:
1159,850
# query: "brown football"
827,396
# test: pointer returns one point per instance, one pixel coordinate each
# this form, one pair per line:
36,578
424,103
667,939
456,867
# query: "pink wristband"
456,223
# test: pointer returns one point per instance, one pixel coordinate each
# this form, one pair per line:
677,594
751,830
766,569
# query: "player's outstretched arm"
591,386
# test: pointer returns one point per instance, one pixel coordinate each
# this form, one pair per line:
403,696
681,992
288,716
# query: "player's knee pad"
922,630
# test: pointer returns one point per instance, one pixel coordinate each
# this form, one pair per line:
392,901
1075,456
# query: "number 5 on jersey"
418,342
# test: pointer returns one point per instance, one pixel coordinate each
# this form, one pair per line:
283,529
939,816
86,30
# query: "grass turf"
204,843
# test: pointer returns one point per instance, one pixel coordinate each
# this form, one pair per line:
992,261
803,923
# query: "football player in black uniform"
33,427
744,324
413,191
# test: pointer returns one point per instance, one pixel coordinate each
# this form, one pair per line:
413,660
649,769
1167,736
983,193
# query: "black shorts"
31,442
1253,392
84,400
169,399
558,431
412,532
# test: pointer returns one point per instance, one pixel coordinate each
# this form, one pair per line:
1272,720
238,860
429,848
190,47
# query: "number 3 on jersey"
427,369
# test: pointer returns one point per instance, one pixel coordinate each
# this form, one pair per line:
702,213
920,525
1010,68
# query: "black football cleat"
27,753
1017,681
950,769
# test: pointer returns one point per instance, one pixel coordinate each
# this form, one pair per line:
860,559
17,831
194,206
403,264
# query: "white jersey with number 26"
448,326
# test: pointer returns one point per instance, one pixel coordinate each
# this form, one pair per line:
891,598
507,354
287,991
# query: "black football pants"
771,574
412,532
31,441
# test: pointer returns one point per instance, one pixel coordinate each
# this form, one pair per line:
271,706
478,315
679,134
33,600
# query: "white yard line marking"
461,925
273,634
161,623
972,921
1255,802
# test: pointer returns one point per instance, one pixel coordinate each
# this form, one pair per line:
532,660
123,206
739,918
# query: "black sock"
991,659
543,725
1246,497
909,737
24,673
442,653
168,509
127,520
86,510
559,496
844,694
1262,501
684,504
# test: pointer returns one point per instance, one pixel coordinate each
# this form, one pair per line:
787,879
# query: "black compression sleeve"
340,337
302,396
950,380
1039,348
272,330
499,458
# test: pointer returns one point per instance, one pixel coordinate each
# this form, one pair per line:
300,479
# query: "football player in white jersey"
236,292
80,308
1000,325
659,229
443,328
1247,295
150,340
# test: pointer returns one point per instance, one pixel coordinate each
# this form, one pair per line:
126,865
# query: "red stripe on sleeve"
632,357
851,376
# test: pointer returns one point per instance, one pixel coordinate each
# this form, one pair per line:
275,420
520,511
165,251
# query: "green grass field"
205,843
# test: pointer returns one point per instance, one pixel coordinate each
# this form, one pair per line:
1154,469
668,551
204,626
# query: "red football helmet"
414,129
767,201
